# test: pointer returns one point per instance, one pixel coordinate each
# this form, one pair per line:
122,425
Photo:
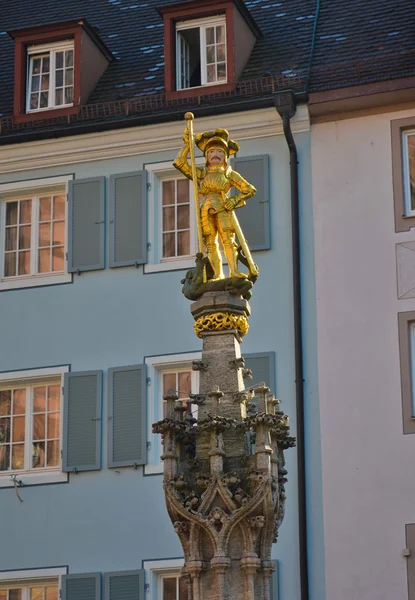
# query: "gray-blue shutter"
124,585
128,219
82,421
254,217
274,595
127,416
262,365
86,209
84,586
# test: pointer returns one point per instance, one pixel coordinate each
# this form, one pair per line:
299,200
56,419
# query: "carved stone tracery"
224,495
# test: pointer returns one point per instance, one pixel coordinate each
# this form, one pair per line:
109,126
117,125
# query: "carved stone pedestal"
224,472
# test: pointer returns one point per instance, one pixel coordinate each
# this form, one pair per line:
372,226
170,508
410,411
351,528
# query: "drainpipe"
285,103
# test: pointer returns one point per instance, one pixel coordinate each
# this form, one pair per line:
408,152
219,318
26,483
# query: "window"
48,63
30,423
34,236
172,587
36,584
201,52
172,221
206,46
171,372
409,172
403,172
50,82
164,580
37,590
175,222
406,323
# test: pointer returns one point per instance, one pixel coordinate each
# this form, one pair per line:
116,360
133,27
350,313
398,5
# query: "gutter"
285,103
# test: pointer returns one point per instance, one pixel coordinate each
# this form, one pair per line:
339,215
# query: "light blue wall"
113,519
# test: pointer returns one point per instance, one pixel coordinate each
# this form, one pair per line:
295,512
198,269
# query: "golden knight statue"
214,207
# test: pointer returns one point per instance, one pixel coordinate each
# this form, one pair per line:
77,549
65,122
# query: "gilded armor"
214,182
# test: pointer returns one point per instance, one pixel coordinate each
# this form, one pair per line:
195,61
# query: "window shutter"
82,421
128,219
127,416
124,585
410,560
86,586
262,365
86,248
273,583
255,216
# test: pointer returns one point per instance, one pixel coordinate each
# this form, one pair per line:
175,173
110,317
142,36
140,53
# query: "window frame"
202,25
25,577
400,129
408,211
156,366
157,173
24,190
51,49
27,378
406,330
156,570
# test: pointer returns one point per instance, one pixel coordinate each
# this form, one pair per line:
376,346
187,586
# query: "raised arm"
245,189
181,163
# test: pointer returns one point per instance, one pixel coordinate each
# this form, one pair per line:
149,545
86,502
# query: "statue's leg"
210,235
227,236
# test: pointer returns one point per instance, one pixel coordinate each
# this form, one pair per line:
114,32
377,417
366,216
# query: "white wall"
368,464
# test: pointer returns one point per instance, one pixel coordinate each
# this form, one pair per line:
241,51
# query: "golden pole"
189,118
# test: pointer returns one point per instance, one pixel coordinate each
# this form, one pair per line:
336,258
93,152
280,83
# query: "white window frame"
155,570
30,189
156,365
157,173
35,476
406,173
25,577
52,49
201,24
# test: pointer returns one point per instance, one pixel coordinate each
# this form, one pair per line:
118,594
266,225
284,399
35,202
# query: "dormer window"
50,81
201,52
56,67
206,45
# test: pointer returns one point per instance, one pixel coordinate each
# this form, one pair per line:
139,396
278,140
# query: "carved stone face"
215,157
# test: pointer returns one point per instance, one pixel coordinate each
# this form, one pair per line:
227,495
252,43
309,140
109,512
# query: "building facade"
97,231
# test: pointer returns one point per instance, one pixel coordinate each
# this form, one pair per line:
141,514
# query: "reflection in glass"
24,263
39,427
19,402
44,209
4,458
168,245
183,243
168,192
11,213
25,211
53,397
39,399
53,454
44,261
57,259
18,456
10,265
38,455
11,238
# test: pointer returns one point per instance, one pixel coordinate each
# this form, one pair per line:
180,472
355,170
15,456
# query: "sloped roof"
367,32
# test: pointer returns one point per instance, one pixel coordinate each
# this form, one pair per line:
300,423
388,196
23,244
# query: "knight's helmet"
216,139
